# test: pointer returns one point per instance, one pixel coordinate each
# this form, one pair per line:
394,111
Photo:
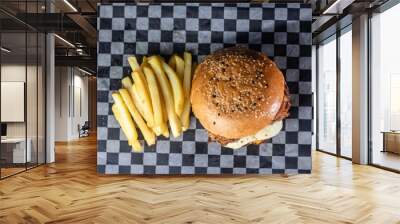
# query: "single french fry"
163,108
187,80
156,130
126,120
177,89
165,131
178,65
134,143
136,146
124,115
118,118
144,61
127,84
144,96
185,117
172,63
155,95
164,126
176,126
133,62
147,133
138,102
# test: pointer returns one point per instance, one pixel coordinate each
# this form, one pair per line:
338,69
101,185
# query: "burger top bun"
236,92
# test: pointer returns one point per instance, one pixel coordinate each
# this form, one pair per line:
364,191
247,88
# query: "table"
391,141
18,149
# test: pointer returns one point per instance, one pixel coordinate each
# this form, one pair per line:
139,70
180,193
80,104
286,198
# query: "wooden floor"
70,191
387,159
10,171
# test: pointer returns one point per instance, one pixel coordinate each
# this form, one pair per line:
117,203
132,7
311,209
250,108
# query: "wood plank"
70,191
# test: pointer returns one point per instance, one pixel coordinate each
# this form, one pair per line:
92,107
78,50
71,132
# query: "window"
394,102
346,93
327,96
385,89
334,109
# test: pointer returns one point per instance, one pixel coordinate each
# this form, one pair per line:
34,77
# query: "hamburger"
240,97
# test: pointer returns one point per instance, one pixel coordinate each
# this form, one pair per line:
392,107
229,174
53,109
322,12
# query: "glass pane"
327,97
13,87
346,94
31,98
385,78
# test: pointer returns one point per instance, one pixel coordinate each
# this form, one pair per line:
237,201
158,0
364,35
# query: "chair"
84,130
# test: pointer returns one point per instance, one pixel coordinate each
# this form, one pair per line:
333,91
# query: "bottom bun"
265,133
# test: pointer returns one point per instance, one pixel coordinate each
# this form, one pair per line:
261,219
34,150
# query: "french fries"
158,65
141,96
126,122
187,80
155,97
147,133
177,63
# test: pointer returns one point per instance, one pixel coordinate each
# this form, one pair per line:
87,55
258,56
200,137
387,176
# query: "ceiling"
20,54
75,22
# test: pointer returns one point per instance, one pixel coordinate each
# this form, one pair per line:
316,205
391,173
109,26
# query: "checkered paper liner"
282,31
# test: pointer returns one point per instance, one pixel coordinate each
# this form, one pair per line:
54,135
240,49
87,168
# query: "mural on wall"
281,31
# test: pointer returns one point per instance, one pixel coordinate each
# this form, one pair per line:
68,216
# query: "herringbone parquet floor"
70,191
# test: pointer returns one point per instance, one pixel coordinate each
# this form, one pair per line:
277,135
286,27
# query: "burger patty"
282,114
220,139
285,106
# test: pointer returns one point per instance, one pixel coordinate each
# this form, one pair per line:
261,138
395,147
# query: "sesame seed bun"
237,91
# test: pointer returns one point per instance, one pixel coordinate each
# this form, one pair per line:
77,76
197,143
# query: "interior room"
22,104
199,111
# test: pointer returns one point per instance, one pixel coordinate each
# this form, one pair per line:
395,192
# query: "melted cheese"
265,133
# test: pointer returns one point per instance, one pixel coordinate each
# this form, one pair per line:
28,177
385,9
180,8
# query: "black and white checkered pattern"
282,31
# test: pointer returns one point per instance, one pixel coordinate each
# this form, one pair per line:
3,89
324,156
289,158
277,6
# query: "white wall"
80,103
61,103
17,73
10,73
71,102
82,83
